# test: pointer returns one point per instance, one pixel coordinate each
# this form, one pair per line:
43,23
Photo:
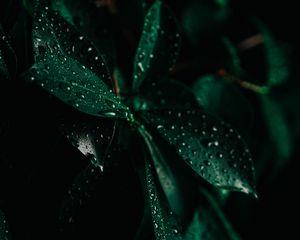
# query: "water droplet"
207,163
108,114
140,65
175,230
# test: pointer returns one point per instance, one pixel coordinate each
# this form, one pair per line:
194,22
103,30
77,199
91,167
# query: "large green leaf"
4,231
93,22
164,221
59,67
159,45
212,148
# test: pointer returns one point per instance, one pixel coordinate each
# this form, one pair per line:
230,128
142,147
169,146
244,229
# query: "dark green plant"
169,129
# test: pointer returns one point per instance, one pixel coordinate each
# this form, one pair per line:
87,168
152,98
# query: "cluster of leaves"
177,135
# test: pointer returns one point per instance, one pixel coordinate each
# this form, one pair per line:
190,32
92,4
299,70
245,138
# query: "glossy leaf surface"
159,45
212,148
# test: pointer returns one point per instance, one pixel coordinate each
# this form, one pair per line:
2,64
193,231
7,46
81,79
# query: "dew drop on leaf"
213,153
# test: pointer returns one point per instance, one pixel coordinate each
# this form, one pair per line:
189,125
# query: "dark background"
38,164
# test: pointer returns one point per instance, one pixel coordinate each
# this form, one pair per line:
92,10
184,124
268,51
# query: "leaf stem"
244,84
250,42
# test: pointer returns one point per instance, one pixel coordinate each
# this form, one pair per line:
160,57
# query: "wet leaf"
212,148
4,230
165,175
80,191
209,222
159,45
276,58
92,137
164,222
279,131
213,93
95,23
59,73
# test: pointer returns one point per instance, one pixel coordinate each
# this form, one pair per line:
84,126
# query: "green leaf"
276,58
159,45
202,19
78,194
57,71
235,62
165,175
279,131
166,93
212,148
209,222
213,93
92,137
164,222
93,22
4,230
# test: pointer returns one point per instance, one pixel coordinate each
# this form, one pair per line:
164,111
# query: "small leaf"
212,148
279,131
235,62
57,71
92,137
4,230
164,221
79,193
158,47
209,222
276,58
213,93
